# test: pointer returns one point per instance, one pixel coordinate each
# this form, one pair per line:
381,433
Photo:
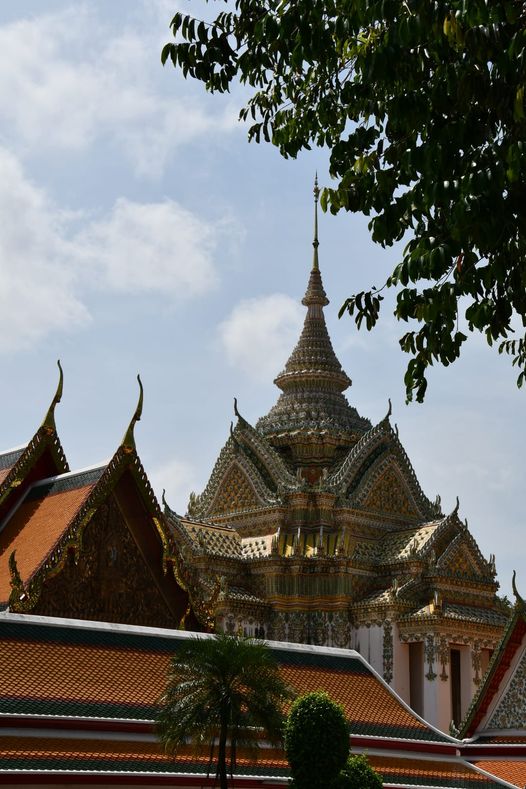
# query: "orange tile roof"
363,697
35,529
54,753
512,771
48,752
3,473
58,670
82,674
423,771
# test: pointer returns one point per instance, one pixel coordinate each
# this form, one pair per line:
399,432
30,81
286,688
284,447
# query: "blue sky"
142,233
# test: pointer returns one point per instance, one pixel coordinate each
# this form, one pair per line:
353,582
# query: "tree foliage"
220,689
358,774
316,741
421,104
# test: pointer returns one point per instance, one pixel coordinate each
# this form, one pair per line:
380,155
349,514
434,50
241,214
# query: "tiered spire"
313,380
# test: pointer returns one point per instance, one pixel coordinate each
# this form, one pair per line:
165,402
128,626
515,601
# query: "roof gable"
379,454
500,701
50,523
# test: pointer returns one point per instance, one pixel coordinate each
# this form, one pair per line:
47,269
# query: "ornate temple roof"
313,381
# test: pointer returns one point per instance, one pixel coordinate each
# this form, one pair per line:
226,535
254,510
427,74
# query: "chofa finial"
457,505
390,409
49,420
519,601
129,439
315,243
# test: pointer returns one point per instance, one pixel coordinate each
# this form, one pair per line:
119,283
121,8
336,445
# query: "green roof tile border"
126,766
64,482
10,456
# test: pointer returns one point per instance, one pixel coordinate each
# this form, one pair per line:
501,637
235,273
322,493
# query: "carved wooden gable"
107,580
388,494
235,493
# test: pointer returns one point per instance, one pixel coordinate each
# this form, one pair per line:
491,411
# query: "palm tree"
218,688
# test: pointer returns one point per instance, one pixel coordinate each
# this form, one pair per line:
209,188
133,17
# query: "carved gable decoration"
388,494
511,710
108,580
460,560
235,493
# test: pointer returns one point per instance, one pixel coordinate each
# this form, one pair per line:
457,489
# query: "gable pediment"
462,558
235,492
389,495
236,484
385,490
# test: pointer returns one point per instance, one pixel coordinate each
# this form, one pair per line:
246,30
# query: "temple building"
312,529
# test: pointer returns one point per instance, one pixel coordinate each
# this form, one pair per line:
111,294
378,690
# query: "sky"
141,233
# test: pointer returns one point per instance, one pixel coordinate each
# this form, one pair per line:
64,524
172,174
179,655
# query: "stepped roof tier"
312,405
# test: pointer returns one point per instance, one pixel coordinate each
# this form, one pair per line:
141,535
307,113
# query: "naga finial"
519,601
49,420
389,410
457,505
316,243
236,412
129,439
163,499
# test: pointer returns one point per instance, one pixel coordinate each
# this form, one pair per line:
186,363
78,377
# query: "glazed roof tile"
37,524
255,547
207,538
464,613
9,458
77,754
486,616
513,771
397,545
120,673
61,754
419,772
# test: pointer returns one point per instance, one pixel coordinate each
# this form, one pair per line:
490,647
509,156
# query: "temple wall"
369,642
400,682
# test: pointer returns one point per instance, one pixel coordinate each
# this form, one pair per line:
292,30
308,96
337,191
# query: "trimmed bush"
358,774
316,741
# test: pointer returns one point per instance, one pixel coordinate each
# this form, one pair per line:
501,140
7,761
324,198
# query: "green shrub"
316,741
358,774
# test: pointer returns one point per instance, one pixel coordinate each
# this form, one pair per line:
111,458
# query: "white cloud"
159,247
47,271
37,285
67,81
178,478
259,334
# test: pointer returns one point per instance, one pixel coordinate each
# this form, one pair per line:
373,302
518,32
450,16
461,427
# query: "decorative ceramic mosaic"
511,712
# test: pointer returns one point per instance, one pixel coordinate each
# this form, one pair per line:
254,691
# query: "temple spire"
315,296
313,381
316,243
